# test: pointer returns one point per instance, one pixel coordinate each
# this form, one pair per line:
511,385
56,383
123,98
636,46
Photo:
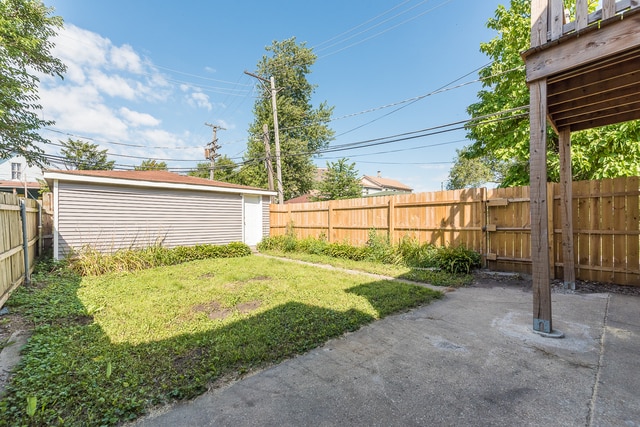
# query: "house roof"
152,178
384,183
300,199
19,184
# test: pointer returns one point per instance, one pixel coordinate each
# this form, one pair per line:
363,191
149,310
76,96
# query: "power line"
386,30
365,23
421,133
200,77
441,89
114,142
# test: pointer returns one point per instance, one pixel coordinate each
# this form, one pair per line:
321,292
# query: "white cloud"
199,100
77,46
135,118
124,58
160,137
226,125
107,95
112,85
81,111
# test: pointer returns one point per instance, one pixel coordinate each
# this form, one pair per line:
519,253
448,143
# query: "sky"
145,76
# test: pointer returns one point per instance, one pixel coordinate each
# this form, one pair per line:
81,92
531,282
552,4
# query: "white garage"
111,210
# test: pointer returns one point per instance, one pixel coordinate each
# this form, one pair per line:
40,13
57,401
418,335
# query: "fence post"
25,241
330,220
391,218
484,237
40,239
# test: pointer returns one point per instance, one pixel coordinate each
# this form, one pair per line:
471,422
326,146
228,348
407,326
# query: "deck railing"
561,22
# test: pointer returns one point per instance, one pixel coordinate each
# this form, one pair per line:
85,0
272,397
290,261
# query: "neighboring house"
111,210
16,175
319,176
378,184
371,186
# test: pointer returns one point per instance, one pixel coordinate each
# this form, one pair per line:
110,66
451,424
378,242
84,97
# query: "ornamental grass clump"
91,262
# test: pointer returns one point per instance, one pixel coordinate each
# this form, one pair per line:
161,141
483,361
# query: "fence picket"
494,222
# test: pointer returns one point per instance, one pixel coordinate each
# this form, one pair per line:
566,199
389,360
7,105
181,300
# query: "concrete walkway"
469,359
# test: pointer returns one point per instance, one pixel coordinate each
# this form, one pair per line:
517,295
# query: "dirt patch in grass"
248,307
207,276
215,311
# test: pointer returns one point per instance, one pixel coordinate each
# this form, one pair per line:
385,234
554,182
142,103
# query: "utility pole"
274,107
211,151
267,150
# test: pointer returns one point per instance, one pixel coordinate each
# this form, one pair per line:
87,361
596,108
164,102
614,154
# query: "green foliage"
90,262
339,182
606,152
473,172
226,170
415,254
26,30
151,165
379,249
456,259
303,128
82,155
114,346
201,170
409,252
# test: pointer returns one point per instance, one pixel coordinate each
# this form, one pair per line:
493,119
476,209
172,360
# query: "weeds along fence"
20,229
493,222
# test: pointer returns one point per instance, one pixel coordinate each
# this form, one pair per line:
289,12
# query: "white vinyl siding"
110,217
266,200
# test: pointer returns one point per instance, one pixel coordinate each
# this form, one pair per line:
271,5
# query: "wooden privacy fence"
12,241
493,222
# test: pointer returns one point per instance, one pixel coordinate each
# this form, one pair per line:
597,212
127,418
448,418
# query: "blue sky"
144,76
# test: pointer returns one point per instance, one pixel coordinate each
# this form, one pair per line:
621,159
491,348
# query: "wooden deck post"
538,176
539,214
566,203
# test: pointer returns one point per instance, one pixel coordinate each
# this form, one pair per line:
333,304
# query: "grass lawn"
433,277
105,349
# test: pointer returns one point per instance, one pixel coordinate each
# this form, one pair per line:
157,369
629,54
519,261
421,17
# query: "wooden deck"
592,68
581,74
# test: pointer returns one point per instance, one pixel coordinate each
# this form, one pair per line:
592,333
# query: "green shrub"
409,252
312,245
346,251
414,254
379,249
456,259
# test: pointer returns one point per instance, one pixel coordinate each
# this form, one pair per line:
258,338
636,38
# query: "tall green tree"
26,29
226,170
82,155
339,182
474,172
201,170
605,152
303,128
151,165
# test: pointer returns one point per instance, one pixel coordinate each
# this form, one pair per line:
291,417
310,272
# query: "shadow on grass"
81,378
